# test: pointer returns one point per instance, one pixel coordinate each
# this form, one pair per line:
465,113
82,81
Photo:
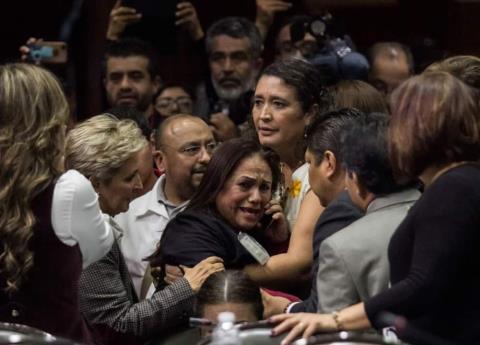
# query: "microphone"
407,332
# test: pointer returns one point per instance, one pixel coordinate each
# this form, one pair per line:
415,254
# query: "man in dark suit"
327,180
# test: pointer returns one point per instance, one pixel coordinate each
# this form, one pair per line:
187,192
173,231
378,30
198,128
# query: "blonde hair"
100,146
33,112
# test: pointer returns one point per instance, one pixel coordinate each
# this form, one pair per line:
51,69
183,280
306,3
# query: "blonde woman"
50,225
108,151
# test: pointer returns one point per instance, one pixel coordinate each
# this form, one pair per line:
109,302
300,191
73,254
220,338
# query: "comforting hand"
273,305
302,325
200,272
223,128
186,17
120,17
172,273
277,231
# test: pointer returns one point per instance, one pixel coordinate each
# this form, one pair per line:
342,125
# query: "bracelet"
285,310
338,324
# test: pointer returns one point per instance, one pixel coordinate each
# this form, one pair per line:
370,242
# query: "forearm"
353,318
283,269
166,308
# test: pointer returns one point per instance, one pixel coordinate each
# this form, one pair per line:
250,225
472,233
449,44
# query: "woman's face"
277,114
116,194
244,195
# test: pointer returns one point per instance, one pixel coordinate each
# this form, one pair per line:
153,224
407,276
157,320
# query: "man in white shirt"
184,144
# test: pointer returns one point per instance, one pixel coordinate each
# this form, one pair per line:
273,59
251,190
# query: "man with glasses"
234,48
173,99
184,145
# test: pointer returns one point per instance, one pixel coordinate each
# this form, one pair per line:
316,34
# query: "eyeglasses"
183,103
194,149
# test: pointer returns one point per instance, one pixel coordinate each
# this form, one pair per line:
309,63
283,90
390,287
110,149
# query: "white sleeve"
77,218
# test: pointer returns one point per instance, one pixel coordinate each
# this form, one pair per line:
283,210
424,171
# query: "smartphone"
157,25
266,221
45,52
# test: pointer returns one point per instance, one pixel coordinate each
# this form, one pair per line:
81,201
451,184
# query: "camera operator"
334,56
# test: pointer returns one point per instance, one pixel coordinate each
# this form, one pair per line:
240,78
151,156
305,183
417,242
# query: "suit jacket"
337,215
109,302
353,263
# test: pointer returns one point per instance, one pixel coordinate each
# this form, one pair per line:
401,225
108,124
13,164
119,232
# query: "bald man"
390,64
184,144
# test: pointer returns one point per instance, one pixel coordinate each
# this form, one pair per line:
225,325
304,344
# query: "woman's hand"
277,231
201,271
186,17
302,325
120,17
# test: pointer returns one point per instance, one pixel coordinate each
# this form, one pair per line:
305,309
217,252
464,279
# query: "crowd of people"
318,197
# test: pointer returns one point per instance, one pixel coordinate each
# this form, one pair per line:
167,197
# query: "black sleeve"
439,234
189,238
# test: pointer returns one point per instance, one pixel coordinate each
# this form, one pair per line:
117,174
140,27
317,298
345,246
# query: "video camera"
335,57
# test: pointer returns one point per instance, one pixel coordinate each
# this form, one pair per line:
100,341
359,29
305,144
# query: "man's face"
174,100
387,73
186,148
232,66
286,49
322,178
128,82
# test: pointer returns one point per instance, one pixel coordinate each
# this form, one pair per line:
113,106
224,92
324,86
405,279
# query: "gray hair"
100,146
236,27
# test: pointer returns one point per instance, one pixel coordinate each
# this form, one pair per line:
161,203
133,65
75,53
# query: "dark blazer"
194,235
340,213
109,302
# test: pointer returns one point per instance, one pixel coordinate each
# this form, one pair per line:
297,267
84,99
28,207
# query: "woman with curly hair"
50,224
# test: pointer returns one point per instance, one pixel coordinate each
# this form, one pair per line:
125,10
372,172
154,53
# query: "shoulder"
72,184
197,221
341,207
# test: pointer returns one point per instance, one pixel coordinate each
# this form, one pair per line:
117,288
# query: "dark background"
433,29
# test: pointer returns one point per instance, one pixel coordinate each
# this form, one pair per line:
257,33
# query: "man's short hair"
128,47
464,67
235,27
385,47
326,132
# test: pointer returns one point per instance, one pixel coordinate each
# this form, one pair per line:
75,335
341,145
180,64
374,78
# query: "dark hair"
357,94
169,85
286,22
128,47
326,131
223,164
230,286
235,27
435,121
365,153
301,76
387,47
125,112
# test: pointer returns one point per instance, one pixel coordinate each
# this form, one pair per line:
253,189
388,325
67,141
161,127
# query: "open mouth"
253,213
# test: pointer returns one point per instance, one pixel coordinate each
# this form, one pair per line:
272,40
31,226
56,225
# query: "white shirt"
77,218
296,193
143,226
